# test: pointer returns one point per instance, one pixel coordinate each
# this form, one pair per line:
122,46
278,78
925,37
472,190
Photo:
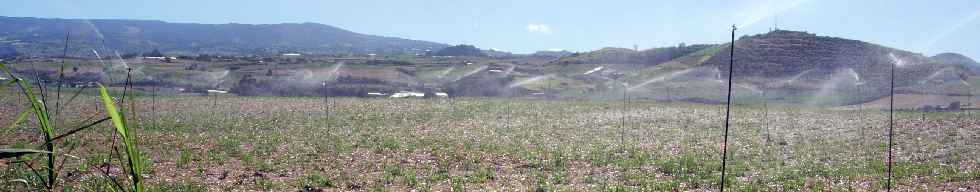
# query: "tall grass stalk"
44,124
121,126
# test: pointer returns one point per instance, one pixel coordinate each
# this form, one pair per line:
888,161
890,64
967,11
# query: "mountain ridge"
126,35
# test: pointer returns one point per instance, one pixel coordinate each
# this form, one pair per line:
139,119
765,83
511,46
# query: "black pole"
622,125
153,99
891,126
61,77
122,101
765,114
326,104
728,107
215,99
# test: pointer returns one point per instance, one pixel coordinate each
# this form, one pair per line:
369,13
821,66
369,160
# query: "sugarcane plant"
46,176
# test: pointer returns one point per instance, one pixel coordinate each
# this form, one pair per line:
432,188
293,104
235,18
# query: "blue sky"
526,25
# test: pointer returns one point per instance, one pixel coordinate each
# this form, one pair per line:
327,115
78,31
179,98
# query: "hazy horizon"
525,27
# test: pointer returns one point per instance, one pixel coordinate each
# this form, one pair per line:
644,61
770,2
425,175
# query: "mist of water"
751,88
531,80
897,61
692,73
304,75
841,78
963,22
854,76
509,70
933,76
217,77
594,70
443,73
797,77
94,29
105,68
471,72
122,62
333,72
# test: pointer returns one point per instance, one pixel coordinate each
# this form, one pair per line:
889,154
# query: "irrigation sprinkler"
622,125
765,114
122,101
153,98
728,109
326,105
215,92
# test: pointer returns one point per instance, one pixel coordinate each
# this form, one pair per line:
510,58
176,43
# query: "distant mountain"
953,58
613,55
551,53
46,37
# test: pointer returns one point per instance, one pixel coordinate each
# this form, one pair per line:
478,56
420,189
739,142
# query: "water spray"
728,107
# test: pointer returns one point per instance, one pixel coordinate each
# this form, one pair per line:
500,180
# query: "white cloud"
538,28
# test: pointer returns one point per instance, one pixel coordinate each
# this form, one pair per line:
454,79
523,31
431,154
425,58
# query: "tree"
461,50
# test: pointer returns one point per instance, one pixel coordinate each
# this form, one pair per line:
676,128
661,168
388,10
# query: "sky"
524,26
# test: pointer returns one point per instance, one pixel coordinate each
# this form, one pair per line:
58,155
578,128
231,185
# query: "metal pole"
622,125
765,114
61,77
728,107
891,127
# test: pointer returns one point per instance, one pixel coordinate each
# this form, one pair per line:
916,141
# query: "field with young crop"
230,143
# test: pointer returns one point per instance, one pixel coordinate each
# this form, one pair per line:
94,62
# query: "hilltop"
794,66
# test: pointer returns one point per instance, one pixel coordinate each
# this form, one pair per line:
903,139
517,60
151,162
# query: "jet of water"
897,61
854,76
530,80
594,70
695,73
797,77
471,72
953,28
933,76
333,72
443,73
106,69
121,61
217,77
509,70
749,87
843,77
